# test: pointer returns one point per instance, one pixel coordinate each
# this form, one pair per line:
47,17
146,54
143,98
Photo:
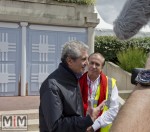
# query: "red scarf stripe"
84,90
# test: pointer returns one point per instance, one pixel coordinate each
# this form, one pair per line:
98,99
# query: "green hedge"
132,58
109,46
82,2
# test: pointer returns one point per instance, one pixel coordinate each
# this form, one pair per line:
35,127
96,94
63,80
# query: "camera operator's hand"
93,112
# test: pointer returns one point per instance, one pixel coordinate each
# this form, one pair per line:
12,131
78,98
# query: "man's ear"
69,60
104,63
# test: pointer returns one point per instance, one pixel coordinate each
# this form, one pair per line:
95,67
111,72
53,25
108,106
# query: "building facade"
32,33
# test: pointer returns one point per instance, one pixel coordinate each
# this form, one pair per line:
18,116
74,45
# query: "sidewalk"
16,105
19,103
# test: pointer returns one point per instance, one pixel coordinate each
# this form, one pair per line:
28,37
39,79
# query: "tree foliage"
109,46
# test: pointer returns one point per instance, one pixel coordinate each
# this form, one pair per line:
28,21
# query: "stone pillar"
23,59
91,37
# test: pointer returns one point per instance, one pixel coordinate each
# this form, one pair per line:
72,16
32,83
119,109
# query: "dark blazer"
61,107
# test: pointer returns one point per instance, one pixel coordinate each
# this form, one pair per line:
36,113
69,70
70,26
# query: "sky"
109,9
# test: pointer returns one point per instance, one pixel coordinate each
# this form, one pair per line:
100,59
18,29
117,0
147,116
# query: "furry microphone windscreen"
134,15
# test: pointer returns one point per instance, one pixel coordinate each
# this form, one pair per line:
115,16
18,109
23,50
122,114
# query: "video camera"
135,72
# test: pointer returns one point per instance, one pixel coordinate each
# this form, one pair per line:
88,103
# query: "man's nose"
86,62
94,66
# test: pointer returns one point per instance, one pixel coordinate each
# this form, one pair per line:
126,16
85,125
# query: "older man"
61,108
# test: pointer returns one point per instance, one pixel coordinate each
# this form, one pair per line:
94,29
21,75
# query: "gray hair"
73,50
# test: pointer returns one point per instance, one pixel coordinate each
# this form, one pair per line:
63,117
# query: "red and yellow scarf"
84,90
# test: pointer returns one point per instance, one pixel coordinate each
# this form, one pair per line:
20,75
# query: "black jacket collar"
64,65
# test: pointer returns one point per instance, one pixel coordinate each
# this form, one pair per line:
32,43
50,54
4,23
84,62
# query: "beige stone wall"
123,78
48,12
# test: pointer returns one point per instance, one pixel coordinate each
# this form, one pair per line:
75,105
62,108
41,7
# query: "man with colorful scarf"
61,107
96,87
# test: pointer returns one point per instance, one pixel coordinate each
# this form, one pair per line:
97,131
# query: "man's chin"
84,69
